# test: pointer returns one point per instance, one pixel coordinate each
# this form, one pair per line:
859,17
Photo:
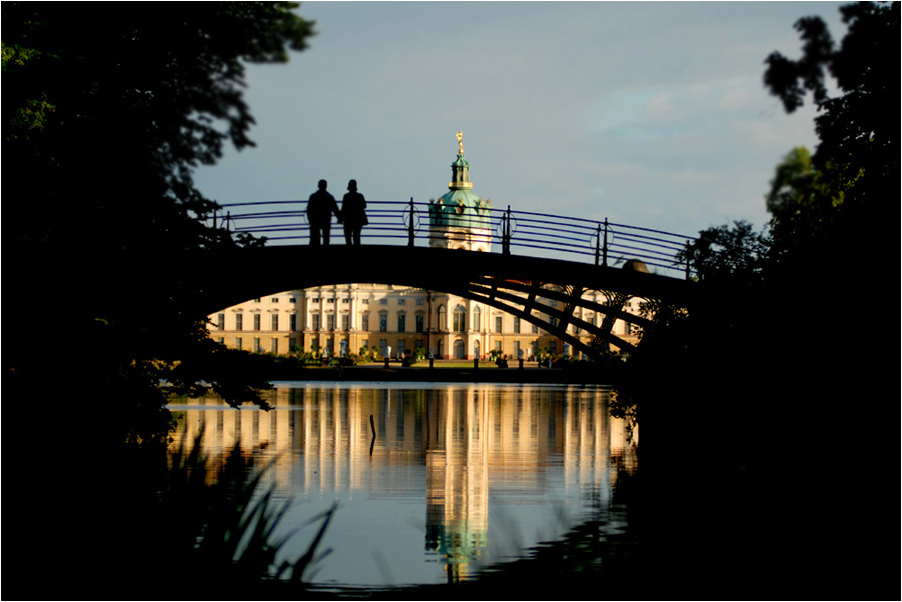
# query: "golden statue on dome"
460,141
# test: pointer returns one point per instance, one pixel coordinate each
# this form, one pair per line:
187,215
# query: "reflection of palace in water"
473,440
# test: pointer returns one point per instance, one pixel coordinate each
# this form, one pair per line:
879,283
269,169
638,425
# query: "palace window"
239,321
516,325
499,323
292,322
274,322
383,322
402,323
364,322
460,319
256,321
220,321
442,318
420,323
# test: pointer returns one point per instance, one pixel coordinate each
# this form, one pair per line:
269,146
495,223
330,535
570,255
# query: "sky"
650,114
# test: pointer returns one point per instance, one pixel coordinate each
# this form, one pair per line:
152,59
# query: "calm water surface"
457,476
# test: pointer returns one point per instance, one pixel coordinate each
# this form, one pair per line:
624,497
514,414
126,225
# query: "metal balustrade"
537,234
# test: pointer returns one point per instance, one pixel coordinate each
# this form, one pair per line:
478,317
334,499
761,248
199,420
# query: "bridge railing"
408,222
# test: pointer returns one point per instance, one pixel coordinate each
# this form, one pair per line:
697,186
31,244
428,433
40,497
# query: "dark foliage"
858,128
793,503
107,109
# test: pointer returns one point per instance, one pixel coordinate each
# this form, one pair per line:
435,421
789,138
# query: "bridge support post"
410,225
604,249
597,244
506,232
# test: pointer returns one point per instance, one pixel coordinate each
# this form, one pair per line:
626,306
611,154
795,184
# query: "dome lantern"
460,219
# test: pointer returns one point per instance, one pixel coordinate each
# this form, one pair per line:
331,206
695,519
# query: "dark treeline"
782,371
107,109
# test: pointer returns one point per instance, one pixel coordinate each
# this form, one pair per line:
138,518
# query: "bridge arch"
543,292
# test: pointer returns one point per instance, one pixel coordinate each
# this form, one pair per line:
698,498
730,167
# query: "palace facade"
338,320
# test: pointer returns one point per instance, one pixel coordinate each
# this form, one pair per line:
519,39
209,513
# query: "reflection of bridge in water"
460,445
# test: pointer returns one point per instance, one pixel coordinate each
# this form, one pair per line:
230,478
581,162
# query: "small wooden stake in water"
373,428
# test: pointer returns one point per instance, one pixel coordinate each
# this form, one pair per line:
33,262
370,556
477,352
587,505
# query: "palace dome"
460,206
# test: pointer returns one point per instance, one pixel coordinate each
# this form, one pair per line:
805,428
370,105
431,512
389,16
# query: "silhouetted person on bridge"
352,213
320,207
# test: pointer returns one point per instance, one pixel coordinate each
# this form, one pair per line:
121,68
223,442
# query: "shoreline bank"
439,374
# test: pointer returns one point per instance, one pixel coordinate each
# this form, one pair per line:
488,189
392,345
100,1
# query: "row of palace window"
346,300
459,319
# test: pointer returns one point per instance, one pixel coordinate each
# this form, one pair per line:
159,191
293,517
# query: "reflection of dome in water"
635,265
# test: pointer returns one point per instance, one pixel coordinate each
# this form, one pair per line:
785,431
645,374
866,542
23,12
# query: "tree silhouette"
779,356
858,128
107,110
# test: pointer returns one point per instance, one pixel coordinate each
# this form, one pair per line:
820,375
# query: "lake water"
456,477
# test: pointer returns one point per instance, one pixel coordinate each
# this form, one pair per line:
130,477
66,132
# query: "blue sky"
651,114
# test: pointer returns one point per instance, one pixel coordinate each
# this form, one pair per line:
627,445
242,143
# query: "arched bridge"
543,290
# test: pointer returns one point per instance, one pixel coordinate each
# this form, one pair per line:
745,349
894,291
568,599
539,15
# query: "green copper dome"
460,207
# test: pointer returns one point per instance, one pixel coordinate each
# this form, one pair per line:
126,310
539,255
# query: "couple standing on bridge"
321,206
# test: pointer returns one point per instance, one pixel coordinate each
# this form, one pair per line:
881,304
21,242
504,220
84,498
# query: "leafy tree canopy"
858,127
731,256
108,107
107,110
826,208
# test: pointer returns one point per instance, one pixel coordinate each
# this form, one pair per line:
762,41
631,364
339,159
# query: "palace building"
338,320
